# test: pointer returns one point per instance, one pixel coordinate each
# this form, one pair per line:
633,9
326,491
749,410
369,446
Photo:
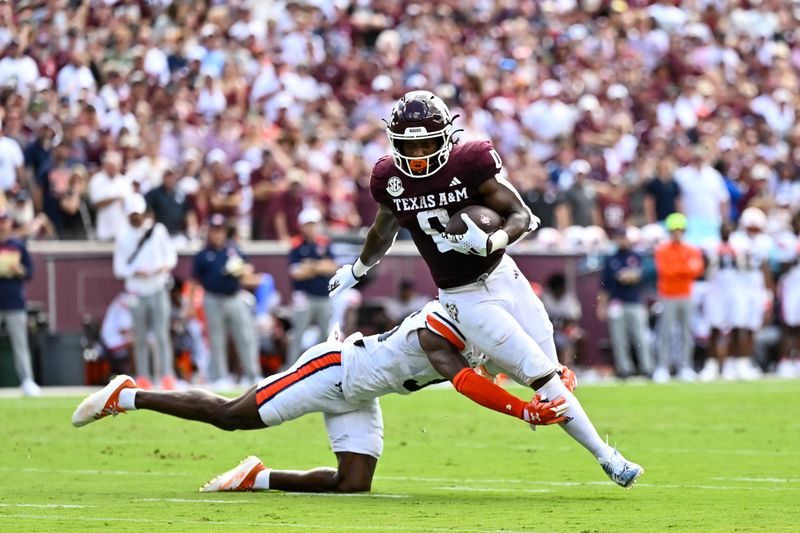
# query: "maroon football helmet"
420,115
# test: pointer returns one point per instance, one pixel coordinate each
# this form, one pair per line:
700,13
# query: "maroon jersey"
424,206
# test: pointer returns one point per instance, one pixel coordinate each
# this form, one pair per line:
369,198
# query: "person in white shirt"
144,257
11,162
75,76
18,69
547,119
107,190
149,169
705,196
777,110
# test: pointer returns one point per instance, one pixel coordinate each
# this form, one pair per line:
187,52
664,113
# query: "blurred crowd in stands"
609,115
605,113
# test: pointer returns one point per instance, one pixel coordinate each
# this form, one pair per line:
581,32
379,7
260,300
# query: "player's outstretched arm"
380,238
446,360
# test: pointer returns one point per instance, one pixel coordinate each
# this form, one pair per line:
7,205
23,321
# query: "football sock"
127,399
578,425
262,480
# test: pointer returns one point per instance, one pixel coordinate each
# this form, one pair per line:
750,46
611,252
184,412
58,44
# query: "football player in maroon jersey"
427,179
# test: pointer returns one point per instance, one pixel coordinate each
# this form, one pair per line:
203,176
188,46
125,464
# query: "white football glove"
342,280
474,241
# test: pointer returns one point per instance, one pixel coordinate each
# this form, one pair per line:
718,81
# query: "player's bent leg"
354,474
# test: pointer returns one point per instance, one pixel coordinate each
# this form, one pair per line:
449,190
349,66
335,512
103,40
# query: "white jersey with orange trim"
395,362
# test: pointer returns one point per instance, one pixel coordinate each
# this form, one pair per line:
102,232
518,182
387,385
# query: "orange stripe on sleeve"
330,359
445,332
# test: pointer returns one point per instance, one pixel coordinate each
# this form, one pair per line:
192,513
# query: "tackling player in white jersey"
755,278
343,381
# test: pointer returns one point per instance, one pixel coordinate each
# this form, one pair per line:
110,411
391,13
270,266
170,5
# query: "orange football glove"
568,377
544,413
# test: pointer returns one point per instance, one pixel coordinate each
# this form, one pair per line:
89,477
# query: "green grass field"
718,457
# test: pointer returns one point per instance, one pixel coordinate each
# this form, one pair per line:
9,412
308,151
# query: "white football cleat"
621,471
103,402
238,479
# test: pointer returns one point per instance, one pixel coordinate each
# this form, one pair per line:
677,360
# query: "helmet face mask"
420,116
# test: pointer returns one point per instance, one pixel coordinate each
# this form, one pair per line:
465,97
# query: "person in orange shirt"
677,266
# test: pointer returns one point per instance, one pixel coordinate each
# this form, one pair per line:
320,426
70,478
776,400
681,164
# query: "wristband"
360,269
497,240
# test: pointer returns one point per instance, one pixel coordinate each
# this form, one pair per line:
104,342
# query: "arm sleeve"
485,393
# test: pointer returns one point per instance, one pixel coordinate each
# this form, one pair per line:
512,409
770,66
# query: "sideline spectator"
144,257
219,268
311,265
677,266
620,302
15,269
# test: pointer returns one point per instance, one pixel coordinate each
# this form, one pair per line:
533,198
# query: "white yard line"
638,485
490,489
758,479
239,500
458,482
270,525
46,505
194,500
92,472
701,451
694,451
349,495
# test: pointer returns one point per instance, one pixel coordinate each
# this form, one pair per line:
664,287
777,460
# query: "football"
486,219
